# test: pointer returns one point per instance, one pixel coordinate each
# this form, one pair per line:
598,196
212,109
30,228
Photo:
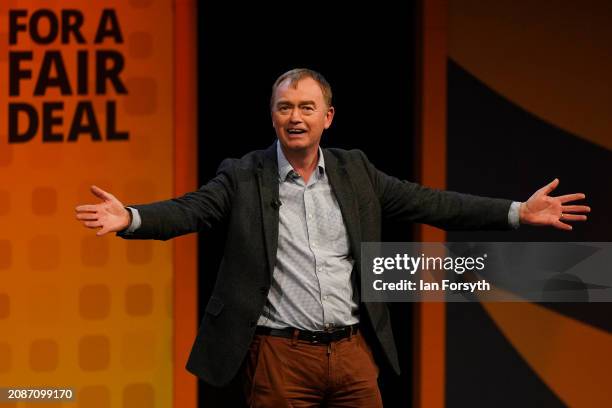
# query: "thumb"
98,192
101,232
547,189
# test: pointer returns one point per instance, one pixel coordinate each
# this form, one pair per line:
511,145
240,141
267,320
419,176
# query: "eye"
308,108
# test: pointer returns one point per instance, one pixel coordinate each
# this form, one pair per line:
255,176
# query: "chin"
296,144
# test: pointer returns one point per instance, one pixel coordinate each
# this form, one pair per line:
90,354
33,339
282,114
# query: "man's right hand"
109,215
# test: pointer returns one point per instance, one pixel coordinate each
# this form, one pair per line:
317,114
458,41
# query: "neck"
304,162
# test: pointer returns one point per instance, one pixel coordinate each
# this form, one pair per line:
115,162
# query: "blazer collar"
341,184
267,181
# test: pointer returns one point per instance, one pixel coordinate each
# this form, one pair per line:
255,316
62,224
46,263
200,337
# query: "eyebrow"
280,103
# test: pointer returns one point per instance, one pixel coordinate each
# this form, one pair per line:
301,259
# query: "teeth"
296,131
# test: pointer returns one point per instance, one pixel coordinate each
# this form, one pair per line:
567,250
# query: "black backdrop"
366,53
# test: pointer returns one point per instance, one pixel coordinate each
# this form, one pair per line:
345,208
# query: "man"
286,311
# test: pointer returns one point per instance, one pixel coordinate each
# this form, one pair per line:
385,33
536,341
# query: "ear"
329,117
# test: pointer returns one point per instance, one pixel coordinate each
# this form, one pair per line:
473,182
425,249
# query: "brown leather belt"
314,337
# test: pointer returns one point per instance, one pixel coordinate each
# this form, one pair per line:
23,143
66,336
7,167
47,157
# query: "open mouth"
296,131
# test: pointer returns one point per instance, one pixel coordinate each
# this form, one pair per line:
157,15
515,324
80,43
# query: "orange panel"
76,310
185,179
430,318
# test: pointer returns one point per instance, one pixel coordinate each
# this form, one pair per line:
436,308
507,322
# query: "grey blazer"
243,197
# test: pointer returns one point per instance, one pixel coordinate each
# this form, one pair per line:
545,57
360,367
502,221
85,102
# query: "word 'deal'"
33,75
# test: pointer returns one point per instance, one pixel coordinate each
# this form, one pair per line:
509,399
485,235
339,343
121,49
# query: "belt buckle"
329,327
337,333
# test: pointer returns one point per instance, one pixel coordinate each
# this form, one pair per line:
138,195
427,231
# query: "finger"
93,224
570,197
550,186
576,208
561,225
573,217
101,232
98,192
87,216
87,208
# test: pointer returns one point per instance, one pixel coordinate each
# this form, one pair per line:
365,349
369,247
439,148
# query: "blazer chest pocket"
214,306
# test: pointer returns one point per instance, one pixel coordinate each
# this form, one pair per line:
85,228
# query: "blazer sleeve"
411,202
201,209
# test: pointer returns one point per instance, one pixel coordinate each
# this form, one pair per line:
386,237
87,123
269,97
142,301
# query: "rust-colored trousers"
283,373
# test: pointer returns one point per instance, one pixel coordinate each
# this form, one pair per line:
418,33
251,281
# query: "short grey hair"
297,74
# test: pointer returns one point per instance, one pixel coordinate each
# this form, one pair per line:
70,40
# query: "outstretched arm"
108,216
544,210
162,220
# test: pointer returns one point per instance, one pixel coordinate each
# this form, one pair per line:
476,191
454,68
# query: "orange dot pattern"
44,201
44,355
95,302
79,311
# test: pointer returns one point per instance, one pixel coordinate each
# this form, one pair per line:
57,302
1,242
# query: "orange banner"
89,100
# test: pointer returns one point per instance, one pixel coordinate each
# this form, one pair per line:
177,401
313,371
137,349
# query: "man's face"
300,114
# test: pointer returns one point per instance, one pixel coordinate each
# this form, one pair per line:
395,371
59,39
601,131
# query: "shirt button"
319,269
309,215
325,297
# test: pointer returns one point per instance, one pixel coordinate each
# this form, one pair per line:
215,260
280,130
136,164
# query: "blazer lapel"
343,189
267,179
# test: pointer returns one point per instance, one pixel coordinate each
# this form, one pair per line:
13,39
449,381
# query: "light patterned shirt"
311,284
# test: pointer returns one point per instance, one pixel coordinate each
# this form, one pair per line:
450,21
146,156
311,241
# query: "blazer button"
263,290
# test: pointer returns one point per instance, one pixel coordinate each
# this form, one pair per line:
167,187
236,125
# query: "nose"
296,116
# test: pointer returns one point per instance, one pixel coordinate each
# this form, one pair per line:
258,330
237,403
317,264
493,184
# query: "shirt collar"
284,167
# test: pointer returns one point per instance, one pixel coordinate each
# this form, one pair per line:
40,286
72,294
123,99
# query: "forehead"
305,89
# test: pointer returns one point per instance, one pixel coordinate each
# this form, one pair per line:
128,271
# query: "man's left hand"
542,209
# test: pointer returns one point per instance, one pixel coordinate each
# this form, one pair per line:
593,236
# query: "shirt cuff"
136,220
513,215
